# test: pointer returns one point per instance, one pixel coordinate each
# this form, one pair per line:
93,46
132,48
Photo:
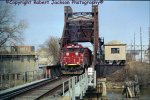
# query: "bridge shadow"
107,70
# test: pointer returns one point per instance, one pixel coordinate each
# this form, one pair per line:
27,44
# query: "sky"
118,20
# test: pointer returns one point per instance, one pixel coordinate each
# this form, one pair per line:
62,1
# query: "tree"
9,30
52,49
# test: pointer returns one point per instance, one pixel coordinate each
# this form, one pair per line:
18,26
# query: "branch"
3,41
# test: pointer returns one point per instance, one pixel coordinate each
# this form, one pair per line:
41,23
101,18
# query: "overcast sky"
118,20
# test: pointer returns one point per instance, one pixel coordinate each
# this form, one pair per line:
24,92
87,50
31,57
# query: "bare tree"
53,48
130,57
9,30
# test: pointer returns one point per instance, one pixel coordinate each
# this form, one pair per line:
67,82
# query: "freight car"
75,59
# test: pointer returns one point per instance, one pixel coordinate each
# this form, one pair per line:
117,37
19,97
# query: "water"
145,93
116,94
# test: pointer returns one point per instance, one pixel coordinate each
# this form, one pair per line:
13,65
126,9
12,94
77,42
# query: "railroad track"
37,91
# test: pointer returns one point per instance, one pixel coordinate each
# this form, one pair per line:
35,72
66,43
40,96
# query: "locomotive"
75,59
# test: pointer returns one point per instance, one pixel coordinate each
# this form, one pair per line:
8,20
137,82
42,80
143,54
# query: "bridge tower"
81,27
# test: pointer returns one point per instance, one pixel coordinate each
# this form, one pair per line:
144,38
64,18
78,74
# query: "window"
76,49
70,50
114,50
81,50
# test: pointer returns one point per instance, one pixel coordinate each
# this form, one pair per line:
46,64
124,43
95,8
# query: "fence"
14,79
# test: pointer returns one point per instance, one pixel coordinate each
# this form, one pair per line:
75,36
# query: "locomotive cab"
75,59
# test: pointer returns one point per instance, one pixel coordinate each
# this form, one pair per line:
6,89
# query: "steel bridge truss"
81,27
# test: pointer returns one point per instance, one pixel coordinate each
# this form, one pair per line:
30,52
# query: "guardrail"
78,85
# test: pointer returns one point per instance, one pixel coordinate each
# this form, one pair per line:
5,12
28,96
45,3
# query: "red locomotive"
75,58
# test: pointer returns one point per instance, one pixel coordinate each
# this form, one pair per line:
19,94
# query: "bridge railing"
78,85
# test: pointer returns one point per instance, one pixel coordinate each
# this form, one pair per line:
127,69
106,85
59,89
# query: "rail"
11,94
71,87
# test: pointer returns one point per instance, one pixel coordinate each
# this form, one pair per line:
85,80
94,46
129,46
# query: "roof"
115,42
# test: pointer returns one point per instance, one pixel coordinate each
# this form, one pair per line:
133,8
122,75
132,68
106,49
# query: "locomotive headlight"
67,54
77,53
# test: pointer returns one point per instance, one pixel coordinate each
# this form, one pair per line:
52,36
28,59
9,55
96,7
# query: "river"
116,94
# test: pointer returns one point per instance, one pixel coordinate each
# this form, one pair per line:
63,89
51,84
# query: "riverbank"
114,85
128,72
119,85
116,94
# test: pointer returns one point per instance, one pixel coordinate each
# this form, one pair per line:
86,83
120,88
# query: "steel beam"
81,27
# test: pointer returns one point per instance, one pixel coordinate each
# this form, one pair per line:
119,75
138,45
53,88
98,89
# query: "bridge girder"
81,27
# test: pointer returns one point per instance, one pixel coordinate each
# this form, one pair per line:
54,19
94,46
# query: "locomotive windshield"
73,49
70,50
76,49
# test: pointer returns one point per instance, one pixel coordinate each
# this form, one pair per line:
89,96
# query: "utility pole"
134,47
149,35
141,43
131,52
149,47
131,46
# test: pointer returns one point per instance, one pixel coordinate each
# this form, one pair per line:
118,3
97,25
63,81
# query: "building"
115,52
16,59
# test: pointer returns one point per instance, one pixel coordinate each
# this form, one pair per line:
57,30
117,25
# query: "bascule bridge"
81,27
